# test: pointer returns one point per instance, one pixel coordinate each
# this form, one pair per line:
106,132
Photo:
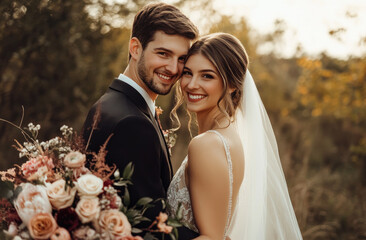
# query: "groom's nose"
172,67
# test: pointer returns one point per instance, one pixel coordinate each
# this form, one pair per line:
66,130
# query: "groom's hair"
164,17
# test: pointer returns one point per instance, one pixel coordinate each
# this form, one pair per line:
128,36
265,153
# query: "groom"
161,36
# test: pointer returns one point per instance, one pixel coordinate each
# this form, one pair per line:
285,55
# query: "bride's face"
201,84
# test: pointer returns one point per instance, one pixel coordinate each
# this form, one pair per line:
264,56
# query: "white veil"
264,209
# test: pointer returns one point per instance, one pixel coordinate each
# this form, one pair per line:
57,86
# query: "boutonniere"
169,134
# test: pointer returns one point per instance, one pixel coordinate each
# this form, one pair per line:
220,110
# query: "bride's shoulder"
206,140
206,146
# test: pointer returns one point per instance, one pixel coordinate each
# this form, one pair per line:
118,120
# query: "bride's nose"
193,83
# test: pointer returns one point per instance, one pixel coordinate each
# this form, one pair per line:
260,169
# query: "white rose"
32,200
57,195
88,209
74,160
89,185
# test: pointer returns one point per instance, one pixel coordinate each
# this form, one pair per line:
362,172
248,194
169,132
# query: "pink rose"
31,200
114,224
74,160
42,226
61,234
88,209
58,196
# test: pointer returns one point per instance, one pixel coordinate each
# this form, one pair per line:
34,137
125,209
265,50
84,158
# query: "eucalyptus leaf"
136,230
176,234
126,198
180,212
172,236
149,236
120,184
174,223
143,201
128,171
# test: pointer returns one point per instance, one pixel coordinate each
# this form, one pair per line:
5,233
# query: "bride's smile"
201,84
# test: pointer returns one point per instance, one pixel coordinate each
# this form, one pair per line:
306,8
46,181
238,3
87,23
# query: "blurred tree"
55,59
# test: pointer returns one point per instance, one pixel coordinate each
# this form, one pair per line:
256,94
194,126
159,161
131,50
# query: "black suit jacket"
135,137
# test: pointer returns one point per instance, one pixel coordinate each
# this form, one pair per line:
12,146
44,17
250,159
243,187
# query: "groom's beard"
149,80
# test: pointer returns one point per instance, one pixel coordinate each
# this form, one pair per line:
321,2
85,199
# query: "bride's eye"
209,76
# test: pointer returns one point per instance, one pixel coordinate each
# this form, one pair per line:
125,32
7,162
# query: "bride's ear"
135,48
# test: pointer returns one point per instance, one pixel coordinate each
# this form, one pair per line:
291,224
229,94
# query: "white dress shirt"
150,103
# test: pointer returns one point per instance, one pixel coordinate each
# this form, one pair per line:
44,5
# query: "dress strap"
228,156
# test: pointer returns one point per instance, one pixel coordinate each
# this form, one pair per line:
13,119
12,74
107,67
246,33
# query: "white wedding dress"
263,209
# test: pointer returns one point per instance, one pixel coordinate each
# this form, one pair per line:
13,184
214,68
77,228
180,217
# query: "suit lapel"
141,104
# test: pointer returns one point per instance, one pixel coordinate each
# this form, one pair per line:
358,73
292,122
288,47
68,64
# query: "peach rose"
114,223
42,226
89,185
31,200
61,234
57,195
74,160
88,209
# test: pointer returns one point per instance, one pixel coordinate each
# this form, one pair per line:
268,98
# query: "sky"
307,22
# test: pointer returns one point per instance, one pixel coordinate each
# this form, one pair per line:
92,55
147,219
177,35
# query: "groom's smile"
161,62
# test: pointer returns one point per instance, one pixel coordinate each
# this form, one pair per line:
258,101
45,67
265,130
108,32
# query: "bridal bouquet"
60,194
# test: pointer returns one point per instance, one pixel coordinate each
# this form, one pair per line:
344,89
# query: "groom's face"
162,61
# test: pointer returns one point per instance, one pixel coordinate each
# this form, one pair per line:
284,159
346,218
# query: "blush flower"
75,160
32,200
114,224
58,196
42,226
34,164
89,185
162,225
88,209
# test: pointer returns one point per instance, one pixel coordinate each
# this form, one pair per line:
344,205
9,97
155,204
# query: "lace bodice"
178,192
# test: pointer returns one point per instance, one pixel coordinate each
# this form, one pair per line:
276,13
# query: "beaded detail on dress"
178,192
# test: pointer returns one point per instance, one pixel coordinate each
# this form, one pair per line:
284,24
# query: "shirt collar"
150,103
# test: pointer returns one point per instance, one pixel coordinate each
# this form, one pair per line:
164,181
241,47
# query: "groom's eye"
181,59
187,73
164,54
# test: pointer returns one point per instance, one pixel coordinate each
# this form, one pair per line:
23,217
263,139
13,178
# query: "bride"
231,185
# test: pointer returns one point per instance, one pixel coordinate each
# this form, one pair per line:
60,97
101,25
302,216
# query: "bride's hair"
230,59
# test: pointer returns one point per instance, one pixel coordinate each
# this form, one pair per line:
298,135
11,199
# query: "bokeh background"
308,58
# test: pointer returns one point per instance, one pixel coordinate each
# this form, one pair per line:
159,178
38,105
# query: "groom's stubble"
149,80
